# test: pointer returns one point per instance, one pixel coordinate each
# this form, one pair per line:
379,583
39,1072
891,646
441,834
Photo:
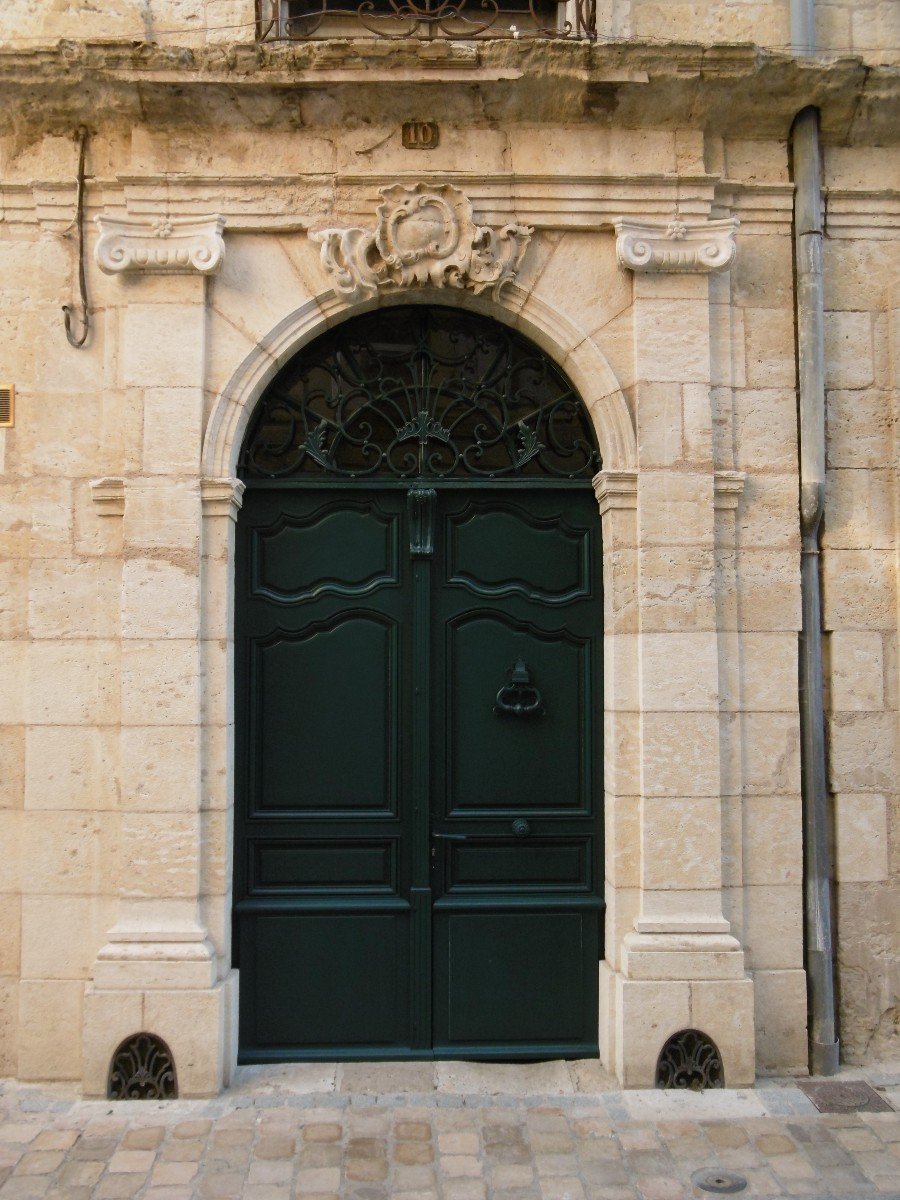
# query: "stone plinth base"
638,1016
198,1025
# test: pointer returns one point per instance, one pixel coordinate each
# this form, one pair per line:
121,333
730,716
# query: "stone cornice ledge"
615,489
160,245
690,247
729,487
108,496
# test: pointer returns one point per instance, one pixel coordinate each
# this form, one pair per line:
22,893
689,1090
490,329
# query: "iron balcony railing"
297,20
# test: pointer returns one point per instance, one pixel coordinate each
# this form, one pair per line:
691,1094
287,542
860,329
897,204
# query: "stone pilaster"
679,965
159,970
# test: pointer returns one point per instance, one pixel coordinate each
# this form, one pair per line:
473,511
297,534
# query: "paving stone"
730,1136
224,1186
269,1171
326,1132
131,1161
261,1146
563,1187
413,1152
169,1174
320,1154
464,1189
772,1144
25,1187
18,1133
55,1139
416,1176
512,1176
555,1164
460,1165
39,1162
118,1187
94,1149
366,1170
275,1147
143,1139
661,1187
232,1137
80,1174
414,1131
182,1151
319,1179
192,1129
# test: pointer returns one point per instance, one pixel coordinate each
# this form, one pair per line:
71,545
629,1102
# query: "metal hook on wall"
85,319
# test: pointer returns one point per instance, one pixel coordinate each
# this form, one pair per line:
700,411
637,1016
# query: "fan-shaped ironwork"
690,1059
421,392
142,1068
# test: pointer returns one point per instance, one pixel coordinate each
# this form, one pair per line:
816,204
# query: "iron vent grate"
844,1096
142,1068
690,1059
7,405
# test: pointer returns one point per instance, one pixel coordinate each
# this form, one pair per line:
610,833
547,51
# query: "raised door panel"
508,761
498,548
513,981
325,980
342,547
324,731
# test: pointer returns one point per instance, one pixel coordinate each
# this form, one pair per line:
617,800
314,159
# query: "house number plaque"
420,135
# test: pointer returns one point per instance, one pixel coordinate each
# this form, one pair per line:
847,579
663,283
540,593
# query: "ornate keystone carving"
690,247
162,245
424,235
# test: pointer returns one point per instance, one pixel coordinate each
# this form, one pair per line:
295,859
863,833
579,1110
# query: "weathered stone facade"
655,176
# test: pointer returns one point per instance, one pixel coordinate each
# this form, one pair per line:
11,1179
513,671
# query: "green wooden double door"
418,862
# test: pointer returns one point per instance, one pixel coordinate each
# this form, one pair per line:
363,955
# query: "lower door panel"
516,982
325,980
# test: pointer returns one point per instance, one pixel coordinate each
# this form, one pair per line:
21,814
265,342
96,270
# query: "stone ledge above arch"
554,333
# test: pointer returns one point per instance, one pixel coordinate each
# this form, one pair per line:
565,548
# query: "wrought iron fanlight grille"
421,392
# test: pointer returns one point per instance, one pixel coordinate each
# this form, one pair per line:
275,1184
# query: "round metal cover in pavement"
723,1183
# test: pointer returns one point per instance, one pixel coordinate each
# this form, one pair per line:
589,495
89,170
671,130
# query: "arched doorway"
418,700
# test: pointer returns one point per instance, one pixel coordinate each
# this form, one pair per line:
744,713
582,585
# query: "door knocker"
519,697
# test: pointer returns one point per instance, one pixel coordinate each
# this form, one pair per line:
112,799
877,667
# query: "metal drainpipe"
824,1047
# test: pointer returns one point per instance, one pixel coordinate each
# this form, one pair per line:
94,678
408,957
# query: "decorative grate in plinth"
142,1069
690,1059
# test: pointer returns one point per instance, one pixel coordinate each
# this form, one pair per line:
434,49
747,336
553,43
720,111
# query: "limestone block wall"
862,270
115,620
755,432
170,22
59,699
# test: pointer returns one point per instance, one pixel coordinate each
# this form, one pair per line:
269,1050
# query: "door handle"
450,837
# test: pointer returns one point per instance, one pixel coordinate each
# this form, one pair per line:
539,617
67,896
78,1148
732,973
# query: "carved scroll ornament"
696,247
424,235
164,245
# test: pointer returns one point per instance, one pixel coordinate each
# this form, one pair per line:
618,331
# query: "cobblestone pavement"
456,1131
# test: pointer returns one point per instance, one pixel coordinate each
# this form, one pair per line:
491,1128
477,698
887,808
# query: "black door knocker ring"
519,697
